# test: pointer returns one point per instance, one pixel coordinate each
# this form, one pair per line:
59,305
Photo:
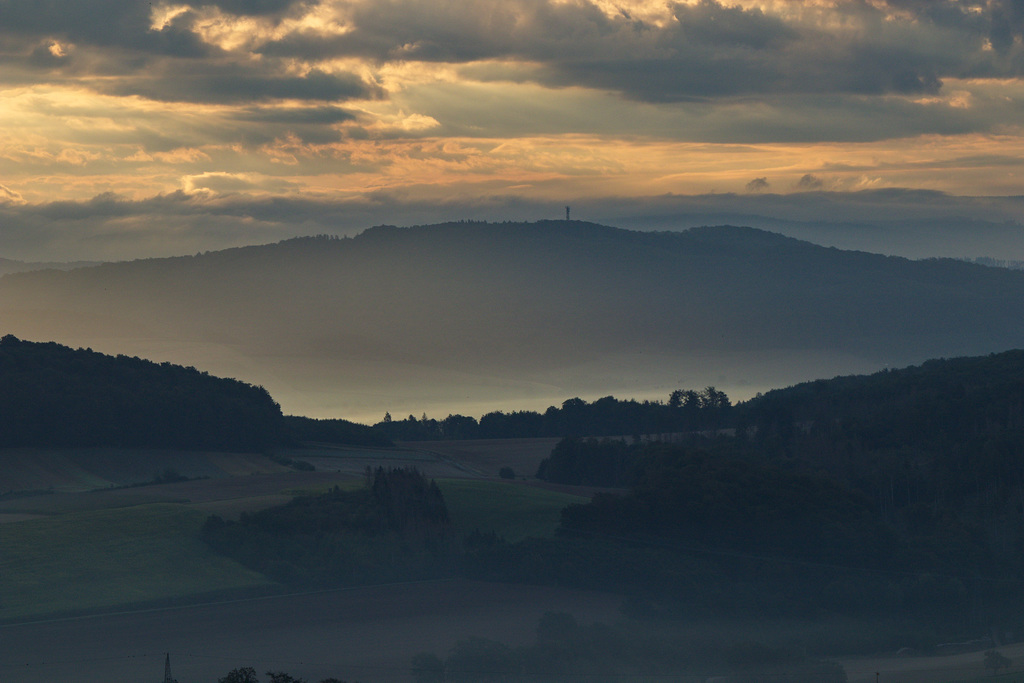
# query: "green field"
77,560
100,559
510,510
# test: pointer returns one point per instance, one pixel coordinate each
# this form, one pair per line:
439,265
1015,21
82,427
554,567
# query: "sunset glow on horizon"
388,109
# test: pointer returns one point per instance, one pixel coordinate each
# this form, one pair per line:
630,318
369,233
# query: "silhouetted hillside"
685,411
898,492
557,307
51,395
920,440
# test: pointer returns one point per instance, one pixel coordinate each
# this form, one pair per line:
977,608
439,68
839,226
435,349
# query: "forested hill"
972,403
946,432
919,439
460,294
937,401
52,395
902,490
55,396
459,310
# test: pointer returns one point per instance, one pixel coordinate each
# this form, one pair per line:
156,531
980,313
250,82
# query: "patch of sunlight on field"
508,509
108,558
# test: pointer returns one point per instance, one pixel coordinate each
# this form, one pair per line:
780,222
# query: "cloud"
50,54
219,182
700,50
122,25
485,104
255,7
809,182
907,222
782,71
9,195
758,185
231,83
317,115
693,51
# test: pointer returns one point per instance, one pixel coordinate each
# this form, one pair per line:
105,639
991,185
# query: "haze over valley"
788,535
532,341
473,317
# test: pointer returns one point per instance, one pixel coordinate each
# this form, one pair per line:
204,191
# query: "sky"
131,128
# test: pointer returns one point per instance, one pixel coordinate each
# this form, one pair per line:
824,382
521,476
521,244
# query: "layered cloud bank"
910,223
338,110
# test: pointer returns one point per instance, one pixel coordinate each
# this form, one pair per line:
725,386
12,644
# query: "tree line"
395,527
908,482
247,674
686,410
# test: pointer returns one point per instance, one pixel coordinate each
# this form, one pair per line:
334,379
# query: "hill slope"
51,395
522,311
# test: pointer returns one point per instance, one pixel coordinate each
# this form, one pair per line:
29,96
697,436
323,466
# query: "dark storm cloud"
232,83
713,51
123,24
304,116
255,7
708,50
1007,23
45,56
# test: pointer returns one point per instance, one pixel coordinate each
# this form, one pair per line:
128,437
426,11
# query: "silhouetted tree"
282,677
243,675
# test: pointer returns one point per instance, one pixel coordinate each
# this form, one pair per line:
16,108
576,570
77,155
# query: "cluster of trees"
703,531
934,447
247,674
685,411
565,650
394,528
590,462
299,429
701,499
898,493
51,395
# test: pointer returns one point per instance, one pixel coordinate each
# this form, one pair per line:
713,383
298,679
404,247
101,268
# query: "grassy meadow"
82,561
98,552
510,510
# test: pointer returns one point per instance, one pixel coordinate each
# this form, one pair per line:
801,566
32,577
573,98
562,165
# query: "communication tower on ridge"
167,670
567,213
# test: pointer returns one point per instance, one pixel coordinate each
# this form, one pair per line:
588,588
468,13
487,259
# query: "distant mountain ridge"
493,304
